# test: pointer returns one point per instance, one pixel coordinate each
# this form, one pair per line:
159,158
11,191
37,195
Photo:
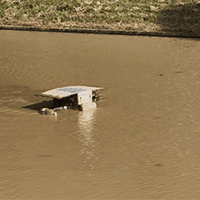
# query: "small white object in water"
47,111
60,108
65,107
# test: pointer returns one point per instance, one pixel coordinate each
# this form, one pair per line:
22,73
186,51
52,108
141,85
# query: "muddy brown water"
141,142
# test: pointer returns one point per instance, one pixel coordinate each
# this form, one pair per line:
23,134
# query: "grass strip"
167,16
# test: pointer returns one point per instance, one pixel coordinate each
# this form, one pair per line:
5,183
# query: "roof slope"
68,91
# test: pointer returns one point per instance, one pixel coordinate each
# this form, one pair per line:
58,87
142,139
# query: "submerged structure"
74,97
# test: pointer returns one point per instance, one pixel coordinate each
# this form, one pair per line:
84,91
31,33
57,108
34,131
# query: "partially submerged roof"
59,93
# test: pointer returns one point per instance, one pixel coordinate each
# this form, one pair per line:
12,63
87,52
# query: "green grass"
156,13
3,6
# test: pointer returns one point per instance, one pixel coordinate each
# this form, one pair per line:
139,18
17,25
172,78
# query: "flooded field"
141,142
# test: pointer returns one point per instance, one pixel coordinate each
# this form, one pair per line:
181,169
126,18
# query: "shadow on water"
38,106
181,18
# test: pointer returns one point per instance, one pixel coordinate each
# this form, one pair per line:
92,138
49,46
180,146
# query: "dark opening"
70,102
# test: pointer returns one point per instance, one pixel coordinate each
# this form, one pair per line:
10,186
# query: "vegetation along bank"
168,17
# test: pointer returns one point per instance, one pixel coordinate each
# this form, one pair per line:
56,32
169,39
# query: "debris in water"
47,111
73,97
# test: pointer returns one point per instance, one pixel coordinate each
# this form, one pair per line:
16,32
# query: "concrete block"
88,106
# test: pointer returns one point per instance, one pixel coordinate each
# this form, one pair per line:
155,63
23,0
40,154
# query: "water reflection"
86,122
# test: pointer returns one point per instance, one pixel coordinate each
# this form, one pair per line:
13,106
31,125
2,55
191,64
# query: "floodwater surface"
141,142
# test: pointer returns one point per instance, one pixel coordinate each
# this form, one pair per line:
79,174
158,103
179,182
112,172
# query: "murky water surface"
141,142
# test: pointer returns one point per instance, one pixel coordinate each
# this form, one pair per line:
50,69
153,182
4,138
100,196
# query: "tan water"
141,142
